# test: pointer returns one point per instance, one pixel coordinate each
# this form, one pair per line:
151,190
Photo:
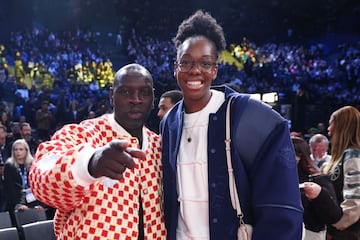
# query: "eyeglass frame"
198,65
129,93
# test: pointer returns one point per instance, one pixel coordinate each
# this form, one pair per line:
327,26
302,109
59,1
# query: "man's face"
132,98
15,128
164,106
26,132
318,149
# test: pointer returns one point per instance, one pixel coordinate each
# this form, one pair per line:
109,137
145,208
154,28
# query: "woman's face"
20,153
4,116
195,69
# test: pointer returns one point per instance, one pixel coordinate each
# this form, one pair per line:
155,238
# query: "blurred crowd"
71,72
49,79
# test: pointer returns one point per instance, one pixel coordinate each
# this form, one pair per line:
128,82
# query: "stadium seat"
43,230
9,233
29,216
5,220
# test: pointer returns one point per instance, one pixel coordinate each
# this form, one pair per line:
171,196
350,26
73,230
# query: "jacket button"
213,185
214,220
213,150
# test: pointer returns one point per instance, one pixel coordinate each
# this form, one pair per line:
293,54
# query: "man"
94,173
44,119
319,145
26,133
167,100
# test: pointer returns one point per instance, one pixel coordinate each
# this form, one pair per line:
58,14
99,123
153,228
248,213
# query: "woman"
197,203
344,171
16,171
322,211
5,120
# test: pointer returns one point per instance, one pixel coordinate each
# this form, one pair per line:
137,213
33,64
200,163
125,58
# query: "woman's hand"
39,208
311,190
23,207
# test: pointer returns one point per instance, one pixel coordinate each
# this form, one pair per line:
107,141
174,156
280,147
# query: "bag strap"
232,184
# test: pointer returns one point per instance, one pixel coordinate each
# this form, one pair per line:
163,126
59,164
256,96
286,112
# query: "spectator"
16,182
5,120
44,121
3,157
322,211
319,146
167,100
344,169
26,133
73,113
9,89
301,100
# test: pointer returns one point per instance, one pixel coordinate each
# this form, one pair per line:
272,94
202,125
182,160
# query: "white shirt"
192,174
324,159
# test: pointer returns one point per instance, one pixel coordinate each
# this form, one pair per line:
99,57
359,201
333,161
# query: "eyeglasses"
203,66
141,93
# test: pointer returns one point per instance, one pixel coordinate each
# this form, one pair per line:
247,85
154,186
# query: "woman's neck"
21,161
196,105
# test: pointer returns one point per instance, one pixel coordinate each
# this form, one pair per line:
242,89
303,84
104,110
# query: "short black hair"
174,95
201,24
24,124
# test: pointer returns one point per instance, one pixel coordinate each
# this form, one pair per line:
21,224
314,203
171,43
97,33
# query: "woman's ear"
214,72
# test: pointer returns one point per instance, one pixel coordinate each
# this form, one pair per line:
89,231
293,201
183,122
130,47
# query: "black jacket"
322,210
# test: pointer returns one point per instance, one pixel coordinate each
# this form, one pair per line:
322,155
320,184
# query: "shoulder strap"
232,185
245,230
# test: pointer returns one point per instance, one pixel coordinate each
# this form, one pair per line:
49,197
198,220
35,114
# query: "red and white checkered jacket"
89,208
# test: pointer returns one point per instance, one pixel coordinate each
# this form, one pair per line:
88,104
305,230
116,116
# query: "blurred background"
305,53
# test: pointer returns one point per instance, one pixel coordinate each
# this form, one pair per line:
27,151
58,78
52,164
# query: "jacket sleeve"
58,163
326,207
277,203
270,161
351,194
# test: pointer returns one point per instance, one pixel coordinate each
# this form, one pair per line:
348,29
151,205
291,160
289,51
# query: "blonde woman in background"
16,182
344,171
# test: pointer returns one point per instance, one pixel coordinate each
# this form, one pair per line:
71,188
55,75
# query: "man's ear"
175,69
111,96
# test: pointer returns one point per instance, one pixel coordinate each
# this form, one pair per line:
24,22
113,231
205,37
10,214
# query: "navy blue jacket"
264,166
